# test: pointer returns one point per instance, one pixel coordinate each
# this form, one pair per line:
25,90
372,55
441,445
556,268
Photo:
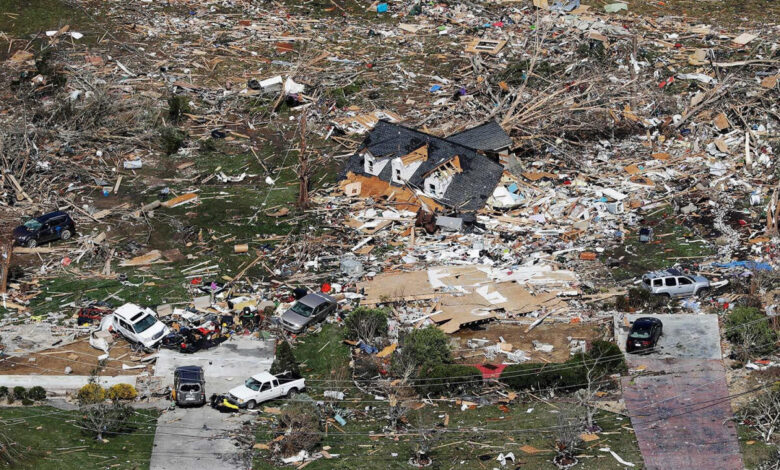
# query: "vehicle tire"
65,234
250,405
32,243
703,292
292,392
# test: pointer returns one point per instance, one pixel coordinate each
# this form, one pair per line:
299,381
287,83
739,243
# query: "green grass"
29,17
756,453
673,243
60,445
326,357
323,353
470,434
161,284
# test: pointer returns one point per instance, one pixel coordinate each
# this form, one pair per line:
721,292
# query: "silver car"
673,283
309,309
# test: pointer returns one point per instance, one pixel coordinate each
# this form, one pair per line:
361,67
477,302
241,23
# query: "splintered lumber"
142,260
537,322
180,200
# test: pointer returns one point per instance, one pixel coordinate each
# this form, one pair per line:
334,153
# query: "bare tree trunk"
303,168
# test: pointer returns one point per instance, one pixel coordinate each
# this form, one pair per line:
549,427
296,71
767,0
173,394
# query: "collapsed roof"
472,177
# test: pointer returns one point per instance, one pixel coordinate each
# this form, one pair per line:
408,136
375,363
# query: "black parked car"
644,334
49,227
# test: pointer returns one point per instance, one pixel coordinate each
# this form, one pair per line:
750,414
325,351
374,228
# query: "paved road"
679,412
198,439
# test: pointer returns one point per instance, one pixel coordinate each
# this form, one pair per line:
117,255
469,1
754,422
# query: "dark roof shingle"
488,136
468,190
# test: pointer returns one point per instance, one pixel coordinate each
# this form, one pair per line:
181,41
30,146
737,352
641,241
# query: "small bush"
449,379
172,139
538,376
178,106
750,333
366,323
285,360
122,392
605,357
91,393
27,402
300,425
427,346
20,393
366,367
36,393
10,398
3,391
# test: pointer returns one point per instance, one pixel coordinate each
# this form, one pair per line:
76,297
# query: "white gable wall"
401,172
371,165
436,184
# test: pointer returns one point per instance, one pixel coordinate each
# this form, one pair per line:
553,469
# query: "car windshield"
252,384
32,224
302,310
144,324
640,334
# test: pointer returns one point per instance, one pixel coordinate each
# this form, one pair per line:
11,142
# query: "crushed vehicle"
189,386
675,283
644,334
49,227
139,325
311,308
263,387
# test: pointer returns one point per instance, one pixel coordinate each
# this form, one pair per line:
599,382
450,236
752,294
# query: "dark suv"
189,386
49,227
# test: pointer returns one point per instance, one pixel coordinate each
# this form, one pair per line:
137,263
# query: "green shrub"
3,391
20,393
91,393
449,379
604,358
178,106
10,398
366,323
750,333
427,347
607,357
36,393
285,360
172,139
27,402
122,392
538,376
638,298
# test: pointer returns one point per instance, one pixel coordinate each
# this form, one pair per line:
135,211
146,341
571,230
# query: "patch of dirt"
79,356
557,334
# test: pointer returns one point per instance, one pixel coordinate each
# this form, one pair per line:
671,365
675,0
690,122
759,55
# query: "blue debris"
751,265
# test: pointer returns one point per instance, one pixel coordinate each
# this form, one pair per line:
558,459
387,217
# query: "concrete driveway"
680,411
225,366
196,438
199,438
684,336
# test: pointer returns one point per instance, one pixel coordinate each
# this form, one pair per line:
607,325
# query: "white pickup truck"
264,387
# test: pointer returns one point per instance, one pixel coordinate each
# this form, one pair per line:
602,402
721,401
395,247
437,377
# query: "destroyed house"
451,173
